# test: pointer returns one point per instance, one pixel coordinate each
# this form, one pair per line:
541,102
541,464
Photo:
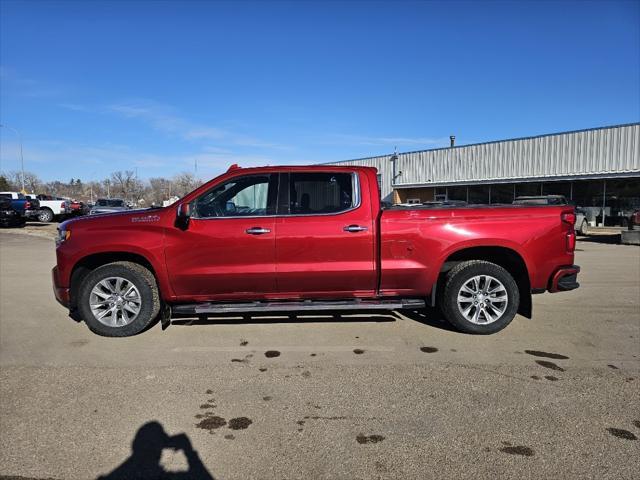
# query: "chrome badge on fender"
145,219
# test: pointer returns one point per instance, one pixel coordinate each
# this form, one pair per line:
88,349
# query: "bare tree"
32,182
159,189
127,185
184,183
122,182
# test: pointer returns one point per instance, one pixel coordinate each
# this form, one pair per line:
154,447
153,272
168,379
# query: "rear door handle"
257,231
355,228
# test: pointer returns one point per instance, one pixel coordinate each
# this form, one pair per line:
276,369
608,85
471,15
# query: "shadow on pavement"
146,452
429,316
38,225
308,317
601,238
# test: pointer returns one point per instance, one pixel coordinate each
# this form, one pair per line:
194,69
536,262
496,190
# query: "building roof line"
512,180
531,137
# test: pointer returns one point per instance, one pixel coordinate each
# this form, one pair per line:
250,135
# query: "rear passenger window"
317,193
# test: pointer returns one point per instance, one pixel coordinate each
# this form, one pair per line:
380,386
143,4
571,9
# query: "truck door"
325,235
228,249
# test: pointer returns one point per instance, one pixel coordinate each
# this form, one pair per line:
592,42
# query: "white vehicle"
52,207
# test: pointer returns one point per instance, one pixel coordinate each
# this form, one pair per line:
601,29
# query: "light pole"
21,156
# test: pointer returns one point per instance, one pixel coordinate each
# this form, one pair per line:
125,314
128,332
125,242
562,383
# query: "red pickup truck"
283,239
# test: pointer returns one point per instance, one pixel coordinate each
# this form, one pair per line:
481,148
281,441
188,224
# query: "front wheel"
119,299
479,297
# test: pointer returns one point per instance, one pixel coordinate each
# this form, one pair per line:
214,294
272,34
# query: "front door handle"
257,231
355,228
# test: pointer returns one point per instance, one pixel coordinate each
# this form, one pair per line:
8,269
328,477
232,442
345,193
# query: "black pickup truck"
9,216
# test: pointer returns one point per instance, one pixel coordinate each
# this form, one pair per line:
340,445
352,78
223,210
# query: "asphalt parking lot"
356,396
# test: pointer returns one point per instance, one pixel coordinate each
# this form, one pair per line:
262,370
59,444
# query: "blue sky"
101,86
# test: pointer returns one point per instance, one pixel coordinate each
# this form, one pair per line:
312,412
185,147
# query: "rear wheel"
479,297
119,299
45,216
583,228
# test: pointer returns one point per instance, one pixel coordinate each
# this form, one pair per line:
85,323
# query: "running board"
297,306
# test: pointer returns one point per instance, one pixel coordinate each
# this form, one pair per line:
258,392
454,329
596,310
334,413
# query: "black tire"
139,276
461,274
45,216
583,228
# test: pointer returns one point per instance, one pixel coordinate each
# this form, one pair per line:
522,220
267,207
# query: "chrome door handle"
257,231
355,228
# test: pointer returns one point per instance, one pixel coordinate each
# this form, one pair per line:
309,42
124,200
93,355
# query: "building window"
502,193
528,189
622,197
588,193
479,194
557,188
457,193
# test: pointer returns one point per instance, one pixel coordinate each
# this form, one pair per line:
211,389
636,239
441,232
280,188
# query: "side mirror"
183,215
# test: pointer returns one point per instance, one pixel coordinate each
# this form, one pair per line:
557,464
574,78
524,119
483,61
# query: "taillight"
63,206
27,205
569,218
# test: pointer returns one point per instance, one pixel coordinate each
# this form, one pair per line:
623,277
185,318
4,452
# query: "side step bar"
297,306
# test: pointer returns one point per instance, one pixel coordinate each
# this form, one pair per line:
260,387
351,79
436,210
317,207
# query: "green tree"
4,184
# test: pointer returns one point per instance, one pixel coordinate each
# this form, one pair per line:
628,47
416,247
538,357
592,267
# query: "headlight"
63,235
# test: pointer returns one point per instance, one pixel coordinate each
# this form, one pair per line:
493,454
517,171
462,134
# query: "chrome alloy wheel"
482,299
115,301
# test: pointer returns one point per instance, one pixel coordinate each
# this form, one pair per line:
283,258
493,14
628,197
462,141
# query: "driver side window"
239,197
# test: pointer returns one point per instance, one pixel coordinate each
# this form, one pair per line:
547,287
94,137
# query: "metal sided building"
597,169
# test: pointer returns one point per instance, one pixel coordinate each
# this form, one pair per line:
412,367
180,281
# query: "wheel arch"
87,264
506,257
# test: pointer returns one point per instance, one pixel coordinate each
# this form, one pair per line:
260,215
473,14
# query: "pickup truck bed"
26,208
310,238
417,242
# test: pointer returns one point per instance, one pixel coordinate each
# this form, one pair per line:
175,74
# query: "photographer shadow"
146,452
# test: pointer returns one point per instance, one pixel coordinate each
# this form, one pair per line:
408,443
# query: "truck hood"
115,219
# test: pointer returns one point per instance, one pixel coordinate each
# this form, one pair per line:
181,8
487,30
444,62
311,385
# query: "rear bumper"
565,279
61,293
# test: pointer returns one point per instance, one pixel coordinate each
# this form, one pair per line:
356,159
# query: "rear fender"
504,253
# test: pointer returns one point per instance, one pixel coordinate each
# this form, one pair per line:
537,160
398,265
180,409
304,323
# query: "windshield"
109,202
